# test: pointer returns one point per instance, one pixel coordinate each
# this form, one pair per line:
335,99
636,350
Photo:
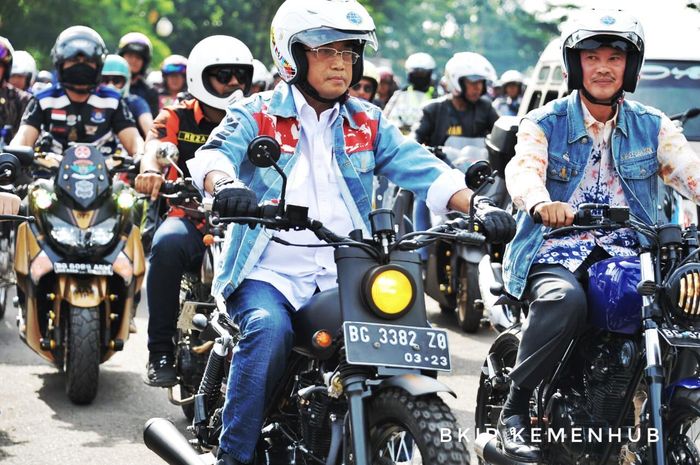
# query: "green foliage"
499,29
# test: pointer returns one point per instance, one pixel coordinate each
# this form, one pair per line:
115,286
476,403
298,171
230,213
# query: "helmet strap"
81,90
612,102
313,93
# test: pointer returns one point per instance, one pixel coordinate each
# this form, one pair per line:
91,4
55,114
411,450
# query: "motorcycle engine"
593,403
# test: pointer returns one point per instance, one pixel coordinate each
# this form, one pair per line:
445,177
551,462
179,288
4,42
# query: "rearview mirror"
9,166
264,151
477,174
167,154
24,154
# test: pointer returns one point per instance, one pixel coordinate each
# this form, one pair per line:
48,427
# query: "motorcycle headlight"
42,198
125,199
71,236
683,292
389,291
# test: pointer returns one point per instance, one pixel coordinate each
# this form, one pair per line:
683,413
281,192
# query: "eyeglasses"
116,80
326,53
224,75
369,88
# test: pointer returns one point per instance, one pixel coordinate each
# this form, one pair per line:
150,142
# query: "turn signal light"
208,240
322,339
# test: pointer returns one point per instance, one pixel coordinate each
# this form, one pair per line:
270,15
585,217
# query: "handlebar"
29,219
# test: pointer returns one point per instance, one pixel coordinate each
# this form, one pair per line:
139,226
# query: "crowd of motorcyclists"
341,120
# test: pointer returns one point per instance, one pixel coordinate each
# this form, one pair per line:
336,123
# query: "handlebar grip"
536,218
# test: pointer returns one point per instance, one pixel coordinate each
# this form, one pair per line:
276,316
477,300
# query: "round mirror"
264,151
9,166
477,174
166,152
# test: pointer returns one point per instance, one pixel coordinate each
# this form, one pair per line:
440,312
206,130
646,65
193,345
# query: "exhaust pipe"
486,447
161,436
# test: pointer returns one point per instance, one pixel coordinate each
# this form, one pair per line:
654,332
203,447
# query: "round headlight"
390,291
683,292
42,198
125,199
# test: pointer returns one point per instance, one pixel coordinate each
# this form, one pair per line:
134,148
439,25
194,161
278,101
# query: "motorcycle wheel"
683,428
82,354
405,430
187,409
468,313
490,400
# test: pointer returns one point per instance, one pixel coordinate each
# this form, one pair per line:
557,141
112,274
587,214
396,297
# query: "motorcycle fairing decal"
360,139
84,189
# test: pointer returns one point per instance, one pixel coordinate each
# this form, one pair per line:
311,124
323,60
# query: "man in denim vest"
331,145
592,146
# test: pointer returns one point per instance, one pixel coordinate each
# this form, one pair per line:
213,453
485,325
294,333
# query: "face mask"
420,81
79,74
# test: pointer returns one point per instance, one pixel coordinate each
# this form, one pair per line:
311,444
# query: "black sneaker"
160,371
514,433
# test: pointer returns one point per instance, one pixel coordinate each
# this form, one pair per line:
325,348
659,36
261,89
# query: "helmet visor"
590,40
5,53
321,36
87,48
174,68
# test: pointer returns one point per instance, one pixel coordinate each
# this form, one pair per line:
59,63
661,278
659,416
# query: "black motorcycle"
360,386
627,389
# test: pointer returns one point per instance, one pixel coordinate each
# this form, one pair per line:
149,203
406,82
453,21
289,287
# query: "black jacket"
441,120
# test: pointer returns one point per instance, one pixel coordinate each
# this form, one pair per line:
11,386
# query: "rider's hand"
555,214
498,225
233,198
149,183
9,203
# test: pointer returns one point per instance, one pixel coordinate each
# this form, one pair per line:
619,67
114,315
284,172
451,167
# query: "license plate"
98,269
680,337
396,346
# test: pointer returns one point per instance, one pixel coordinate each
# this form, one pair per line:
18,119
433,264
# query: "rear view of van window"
672,87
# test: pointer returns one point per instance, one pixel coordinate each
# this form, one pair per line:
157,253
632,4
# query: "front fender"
416,385
82,293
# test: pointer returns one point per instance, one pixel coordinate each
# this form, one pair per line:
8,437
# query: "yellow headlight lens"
42,199
125,199
391,291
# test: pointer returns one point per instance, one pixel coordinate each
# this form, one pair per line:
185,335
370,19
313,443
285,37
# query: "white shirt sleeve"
443,188
206,161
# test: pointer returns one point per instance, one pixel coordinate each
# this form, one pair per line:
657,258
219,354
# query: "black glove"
498,225
233,198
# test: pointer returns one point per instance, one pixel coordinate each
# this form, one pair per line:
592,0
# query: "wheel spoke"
402,449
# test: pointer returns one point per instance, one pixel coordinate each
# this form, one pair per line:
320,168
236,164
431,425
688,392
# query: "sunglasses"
369,88
116,80
224,75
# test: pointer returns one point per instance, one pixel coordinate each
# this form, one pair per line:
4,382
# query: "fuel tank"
613,301
321,312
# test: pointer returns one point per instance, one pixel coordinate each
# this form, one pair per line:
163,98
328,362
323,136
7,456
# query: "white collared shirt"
313,182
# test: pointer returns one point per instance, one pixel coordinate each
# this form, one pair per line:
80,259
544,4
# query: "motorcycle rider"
116,74
387,85
404,107
13,101
508,103
319,56
23,70
465,112
77,109
137,50
173,69
592,146
366,88
218,67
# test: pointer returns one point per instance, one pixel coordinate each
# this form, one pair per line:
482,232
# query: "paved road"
40,426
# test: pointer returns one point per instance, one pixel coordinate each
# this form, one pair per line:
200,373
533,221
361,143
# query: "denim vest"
363,144
633,147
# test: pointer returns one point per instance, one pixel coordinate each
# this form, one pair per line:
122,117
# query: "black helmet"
76,41
138,43
6,54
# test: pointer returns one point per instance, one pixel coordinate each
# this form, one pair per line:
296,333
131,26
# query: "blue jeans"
264,317
177,247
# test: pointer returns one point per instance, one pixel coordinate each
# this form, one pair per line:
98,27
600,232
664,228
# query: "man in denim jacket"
592,146
331,147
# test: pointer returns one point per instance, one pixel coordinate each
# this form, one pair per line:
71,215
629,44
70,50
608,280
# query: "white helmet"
261,76
155,78
315,23
23,63
511,76
596,28
419,60
470,65
215,51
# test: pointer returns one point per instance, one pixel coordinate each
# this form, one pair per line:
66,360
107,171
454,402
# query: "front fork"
355,392
654,370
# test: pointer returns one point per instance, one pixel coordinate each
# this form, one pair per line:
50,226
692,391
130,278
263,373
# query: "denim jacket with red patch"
364,144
